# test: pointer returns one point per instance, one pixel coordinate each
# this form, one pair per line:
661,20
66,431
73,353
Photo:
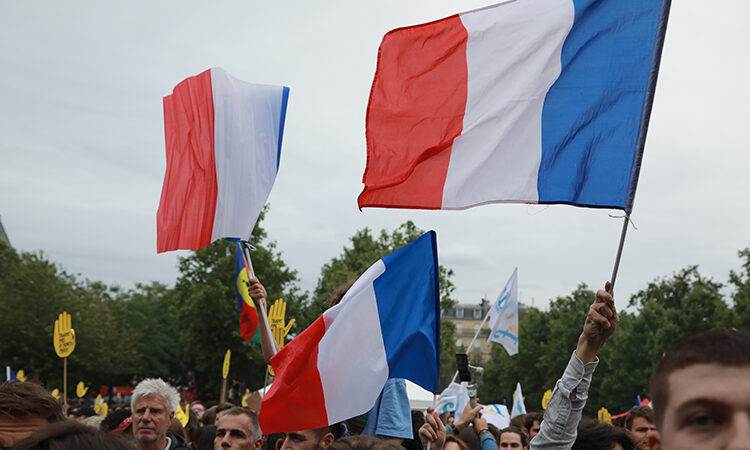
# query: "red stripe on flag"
416,110
188,198
296,401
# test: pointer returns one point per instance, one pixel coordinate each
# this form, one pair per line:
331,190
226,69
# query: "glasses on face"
197,409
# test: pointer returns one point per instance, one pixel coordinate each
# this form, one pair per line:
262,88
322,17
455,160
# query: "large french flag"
223,139
533,101
386,326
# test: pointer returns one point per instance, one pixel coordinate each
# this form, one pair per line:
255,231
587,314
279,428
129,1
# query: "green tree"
741,296
205,306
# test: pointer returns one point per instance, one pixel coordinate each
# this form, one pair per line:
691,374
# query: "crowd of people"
700,396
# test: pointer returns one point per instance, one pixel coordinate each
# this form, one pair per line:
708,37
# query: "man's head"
198,408
318,439
701,393
594,435
24,408
533,422
238,428
512,438
153,403
640,424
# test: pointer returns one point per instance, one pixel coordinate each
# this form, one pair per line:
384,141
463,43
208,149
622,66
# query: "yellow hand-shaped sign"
20,375
276,318
64,338
225,366
545,399
104,410
605,416
81,389
183,415
56,393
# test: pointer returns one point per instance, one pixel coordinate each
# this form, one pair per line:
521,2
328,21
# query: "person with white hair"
154,403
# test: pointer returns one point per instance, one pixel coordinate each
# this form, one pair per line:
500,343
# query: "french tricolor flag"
223,139
386,326
535,101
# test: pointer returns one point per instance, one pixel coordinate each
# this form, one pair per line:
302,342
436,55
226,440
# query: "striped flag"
223,139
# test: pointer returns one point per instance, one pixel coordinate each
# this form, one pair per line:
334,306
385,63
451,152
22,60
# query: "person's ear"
325,441
654,442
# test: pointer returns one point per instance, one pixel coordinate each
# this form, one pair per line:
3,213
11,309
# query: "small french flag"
536,101
386,326
223,139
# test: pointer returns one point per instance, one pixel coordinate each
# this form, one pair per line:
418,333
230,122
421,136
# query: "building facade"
468,319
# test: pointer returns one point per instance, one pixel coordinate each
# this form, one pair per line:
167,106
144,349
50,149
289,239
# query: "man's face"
641,430
198,409
510,441
233,431
150,418
534,430
13,430
304,440
708,408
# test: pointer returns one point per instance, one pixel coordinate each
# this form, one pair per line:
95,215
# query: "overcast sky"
82,143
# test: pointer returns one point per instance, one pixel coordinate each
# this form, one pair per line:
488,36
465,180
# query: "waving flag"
518,405
10,374
504,316
497,415
454,398
223,139
386,326
245,304
537,101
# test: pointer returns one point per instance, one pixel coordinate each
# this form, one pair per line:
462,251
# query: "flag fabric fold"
454,398
496,415
535,101
245,305
504,316
386,326
223,144
10,374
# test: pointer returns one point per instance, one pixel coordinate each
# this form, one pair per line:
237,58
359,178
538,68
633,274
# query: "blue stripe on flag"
408,298
284,100
592,113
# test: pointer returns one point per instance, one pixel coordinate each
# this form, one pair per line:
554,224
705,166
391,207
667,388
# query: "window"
459,313
476,328
459,328
459,343
476,345
477,313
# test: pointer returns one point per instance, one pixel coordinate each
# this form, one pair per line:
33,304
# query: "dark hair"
593,435
469,437
530,418
337,430
114,419
518,422
461,444
723,347
192,426
512,429
205,438
26,399
639,411
361,442
414,443
339,293
71,434
175,427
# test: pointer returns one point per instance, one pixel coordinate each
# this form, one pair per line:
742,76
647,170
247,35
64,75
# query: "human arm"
485,437
467,416
258,294
560,424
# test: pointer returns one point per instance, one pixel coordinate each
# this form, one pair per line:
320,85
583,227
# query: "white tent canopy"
419,398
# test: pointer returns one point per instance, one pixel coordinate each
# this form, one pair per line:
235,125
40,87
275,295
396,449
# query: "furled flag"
454,398
10,374
386,326
496,415
504,316
518,405
223,139
535,101
245,304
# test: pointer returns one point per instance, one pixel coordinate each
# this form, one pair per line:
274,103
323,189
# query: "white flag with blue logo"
453,399
518,405
497,415
504,316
